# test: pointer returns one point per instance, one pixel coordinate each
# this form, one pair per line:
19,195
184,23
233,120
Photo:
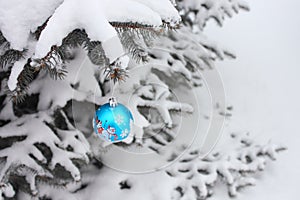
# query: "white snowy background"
263,85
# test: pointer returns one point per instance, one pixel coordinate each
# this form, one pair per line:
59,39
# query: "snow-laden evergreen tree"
39,41
47,150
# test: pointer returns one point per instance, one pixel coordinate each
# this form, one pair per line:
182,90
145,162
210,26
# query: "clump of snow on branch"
176,54
187,54
80,83
235,167
181,53
25,18
19,18
148,91
46,24
198,12
26,153
189,178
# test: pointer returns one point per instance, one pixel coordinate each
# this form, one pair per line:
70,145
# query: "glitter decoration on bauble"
112,121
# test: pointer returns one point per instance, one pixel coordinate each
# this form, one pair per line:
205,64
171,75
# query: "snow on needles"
25,156
15,72
16,24
94,16
19,18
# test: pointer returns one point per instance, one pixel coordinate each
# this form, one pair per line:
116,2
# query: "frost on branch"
151,101
236,167
176,54
197,12
37,148
186,53
80,84
39,36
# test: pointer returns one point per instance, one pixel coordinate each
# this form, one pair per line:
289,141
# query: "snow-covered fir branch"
235,167
37,148
196,13
189,178
46,150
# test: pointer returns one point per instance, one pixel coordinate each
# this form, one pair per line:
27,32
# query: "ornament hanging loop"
113,102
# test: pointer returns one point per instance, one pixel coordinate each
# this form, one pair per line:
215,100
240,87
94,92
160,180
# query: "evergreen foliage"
42,147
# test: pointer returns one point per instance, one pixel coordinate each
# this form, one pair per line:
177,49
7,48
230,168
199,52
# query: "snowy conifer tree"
39,41
44,73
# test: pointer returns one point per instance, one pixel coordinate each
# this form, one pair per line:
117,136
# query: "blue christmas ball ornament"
112,121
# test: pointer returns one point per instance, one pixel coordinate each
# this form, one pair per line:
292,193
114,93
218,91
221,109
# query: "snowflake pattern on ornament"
124,133
119,119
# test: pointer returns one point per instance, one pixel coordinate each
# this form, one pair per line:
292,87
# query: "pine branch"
4,45
96,53
115,73
197,13
133,26
197,177
2,38
10,56
53,62
51,159
133,44
76,38
39,29
24,79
